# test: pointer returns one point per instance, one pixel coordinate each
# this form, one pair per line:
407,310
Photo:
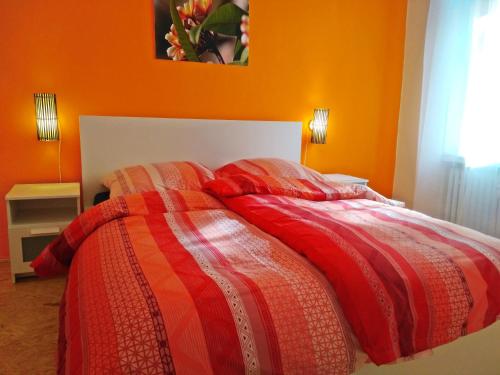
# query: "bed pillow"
269,167
177,175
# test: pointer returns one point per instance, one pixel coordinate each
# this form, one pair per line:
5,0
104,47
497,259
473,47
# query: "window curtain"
458,160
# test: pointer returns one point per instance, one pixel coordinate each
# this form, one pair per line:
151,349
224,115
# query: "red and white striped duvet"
405,281
173,283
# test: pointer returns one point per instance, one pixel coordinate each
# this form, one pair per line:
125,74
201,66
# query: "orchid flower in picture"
209,31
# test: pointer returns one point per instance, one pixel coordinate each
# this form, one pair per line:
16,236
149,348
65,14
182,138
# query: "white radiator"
473,198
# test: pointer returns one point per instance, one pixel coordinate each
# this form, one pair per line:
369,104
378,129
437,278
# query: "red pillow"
269,167
243,184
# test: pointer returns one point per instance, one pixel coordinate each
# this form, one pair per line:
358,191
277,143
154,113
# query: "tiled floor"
28,324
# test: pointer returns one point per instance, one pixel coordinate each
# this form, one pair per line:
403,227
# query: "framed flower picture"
207,31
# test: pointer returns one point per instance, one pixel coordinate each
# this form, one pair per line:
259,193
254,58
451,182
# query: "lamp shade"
46,117
319,125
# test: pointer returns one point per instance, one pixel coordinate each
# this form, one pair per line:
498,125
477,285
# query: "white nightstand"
36,214
345,179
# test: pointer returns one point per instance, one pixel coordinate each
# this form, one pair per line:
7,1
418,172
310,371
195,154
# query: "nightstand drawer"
26,246
31,247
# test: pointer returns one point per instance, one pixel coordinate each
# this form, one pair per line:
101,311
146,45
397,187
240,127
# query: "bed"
175,282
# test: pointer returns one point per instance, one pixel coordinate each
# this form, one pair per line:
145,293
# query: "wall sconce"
319,125
47,127
47,124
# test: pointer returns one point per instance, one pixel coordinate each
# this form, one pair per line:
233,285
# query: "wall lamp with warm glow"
319,125
47,126
47,123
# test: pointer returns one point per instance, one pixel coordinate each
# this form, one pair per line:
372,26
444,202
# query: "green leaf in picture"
244,56
238,49
181,32
194,34
225,20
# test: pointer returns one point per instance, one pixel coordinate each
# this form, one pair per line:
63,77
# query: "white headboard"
109,143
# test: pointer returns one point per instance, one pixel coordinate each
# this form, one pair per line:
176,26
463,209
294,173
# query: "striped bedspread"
164,283
405,281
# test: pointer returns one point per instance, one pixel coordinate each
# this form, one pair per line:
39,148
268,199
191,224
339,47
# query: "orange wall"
98,57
